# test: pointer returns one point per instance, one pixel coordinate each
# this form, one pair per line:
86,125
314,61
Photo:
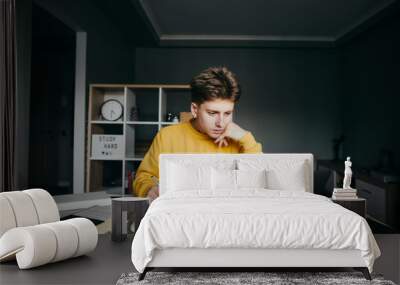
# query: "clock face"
111,110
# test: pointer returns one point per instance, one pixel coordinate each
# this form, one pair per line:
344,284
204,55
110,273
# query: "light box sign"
108,146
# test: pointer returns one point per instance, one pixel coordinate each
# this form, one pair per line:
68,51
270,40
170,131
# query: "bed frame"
242,259
246,258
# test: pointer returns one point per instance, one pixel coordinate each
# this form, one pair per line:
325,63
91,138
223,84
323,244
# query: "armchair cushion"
31,230
40,244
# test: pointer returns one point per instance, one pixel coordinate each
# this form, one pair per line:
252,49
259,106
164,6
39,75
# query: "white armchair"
31,230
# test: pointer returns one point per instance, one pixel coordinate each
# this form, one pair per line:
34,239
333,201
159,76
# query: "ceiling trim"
171,40
244,41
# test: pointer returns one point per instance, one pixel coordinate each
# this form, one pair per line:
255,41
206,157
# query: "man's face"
213,116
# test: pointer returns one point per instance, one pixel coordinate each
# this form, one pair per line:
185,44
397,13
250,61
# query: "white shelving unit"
110,174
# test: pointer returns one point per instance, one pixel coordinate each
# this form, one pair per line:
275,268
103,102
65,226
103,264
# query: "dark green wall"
291,97
371,93
300,99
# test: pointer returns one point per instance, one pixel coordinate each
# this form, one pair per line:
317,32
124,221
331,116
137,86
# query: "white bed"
202,220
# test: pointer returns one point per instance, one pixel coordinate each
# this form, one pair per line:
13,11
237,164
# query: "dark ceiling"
125,15
258,22
251,23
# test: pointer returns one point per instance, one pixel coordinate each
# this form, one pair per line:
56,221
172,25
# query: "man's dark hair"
215,83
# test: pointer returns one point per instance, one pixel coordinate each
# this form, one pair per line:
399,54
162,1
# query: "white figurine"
347,174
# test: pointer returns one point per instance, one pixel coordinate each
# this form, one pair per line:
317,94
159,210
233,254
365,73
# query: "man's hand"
232,131
153,193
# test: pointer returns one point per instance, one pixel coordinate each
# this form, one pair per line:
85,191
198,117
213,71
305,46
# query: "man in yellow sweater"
214,94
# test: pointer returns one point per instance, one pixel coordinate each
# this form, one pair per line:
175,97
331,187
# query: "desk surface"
102,266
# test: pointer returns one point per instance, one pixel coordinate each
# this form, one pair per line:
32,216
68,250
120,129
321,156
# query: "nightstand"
127,210
358,205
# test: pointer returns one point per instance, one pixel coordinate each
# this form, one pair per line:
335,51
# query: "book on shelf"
335,197
345,194
341,190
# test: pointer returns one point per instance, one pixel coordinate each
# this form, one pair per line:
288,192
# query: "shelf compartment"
173,101
139,139
141,104
106,176
107,142
102,94
109,129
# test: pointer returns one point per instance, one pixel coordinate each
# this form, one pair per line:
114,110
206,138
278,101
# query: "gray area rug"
228,278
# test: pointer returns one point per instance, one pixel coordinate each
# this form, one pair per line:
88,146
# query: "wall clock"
111,110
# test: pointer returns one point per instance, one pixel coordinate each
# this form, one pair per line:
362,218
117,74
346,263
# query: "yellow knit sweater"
184,138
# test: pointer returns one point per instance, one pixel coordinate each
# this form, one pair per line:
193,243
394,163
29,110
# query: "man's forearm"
142,186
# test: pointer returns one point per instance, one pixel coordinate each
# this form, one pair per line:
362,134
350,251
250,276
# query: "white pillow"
223,179
236,179
282,174
251,178
292,179
181,177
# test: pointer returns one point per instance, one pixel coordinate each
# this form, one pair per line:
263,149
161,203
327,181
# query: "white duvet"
250,218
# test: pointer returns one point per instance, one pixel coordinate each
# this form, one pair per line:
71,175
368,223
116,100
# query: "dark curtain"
7,93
